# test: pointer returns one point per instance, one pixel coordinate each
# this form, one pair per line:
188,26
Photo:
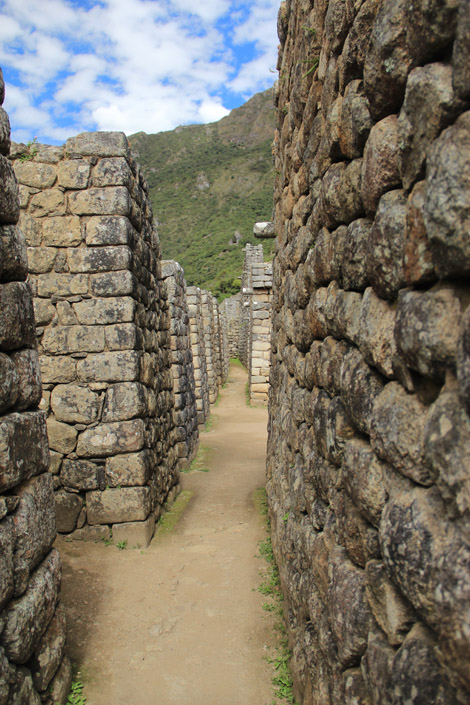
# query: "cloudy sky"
131,65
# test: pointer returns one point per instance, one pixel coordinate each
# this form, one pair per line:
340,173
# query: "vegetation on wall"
208,185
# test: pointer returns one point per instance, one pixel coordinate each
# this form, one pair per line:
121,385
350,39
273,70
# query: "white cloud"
131,65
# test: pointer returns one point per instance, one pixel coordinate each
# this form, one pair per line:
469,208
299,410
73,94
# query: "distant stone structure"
184,412
103,328
369,426
33,665
198,348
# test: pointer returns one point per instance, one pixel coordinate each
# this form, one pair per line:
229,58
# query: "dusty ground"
180,623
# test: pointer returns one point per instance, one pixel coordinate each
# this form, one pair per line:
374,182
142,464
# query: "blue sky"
131,65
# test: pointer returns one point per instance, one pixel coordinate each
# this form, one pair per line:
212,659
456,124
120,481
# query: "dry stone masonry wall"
184,412
198,348
369,430
216,359
260,331
33,665
103,330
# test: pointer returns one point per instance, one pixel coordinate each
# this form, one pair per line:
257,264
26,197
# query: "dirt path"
179,622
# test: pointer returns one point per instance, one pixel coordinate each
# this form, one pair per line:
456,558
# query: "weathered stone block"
113,200
62,437
123,336
360,386
363,477
99,144
58,369
40,176
62,284
392,612
118,505
48,654
111,438
44,311
341,193
130,469
4,133
73,174
380,164
67,507
48,203
109,230
72,339
10,389
22,689
397,432
114,171
349,611
354,255
461,53
9,198
23,447
376,338
74,404
34,527
355,120
110,367
59,687
417,258
357,536
121,283
138,534
99,259
7,677
377,668
13,260
447,450
447,220
27,617
62,231
463,360
82,475
41,259
17,329
7,546
386,246
118,309
124,401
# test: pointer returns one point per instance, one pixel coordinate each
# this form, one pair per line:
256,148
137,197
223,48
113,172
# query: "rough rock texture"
184,413
32,626
103,328
369,428
198,348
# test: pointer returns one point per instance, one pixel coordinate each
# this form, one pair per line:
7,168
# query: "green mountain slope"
208,185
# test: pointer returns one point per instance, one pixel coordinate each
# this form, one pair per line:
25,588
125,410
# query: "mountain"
208,185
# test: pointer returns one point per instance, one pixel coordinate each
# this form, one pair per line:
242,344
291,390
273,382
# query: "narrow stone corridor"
181,621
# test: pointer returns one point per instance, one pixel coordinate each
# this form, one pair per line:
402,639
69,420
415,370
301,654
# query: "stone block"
9,197
363,476
417,258
82,475
13,259
354,688
137,534
358,537
113,200
393,613
99,259
109,230
377,668
114,171
10,388
112,438
350,615
353,261
59,687
7,546
24,451
27,617
48,654
17,327
105,311
74,404
34,527
360,387
58,369
37,175
98,144
68,507
62,437
73,173
130,469
62,231
447,219
386,246
44,311
48,203
123,336
461,52
110,367
91,533
62,284
22,689
4,133
119,505
41,259
7,677
120,283
341,193
447,450
124,401
376,338
380,165
397,432
427,330
355,120
73,339
463,361
31,228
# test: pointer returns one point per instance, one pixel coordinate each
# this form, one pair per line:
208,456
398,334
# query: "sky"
131,65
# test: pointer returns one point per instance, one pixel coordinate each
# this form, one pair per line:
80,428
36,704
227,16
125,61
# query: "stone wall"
198,348
211,342
184,412
230,309
369,431
260,332
253,255
33,667
103,331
